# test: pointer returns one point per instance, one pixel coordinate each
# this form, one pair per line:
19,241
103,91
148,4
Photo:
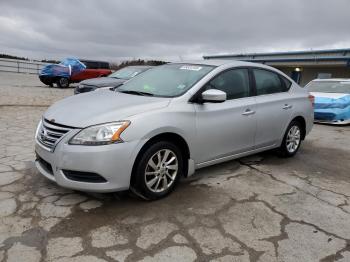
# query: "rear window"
329,87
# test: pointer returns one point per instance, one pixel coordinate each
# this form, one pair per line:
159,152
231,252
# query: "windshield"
167,80
329,87
127,72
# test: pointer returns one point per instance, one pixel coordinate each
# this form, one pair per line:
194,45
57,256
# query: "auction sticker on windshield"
134,74
191,67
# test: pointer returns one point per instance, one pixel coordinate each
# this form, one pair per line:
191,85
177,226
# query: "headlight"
38,128
100,135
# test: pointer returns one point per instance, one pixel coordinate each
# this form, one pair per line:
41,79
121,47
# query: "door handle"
286,106
248,112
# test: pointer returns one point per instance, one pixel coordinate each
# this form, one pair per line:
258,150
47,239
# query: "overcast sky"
169,29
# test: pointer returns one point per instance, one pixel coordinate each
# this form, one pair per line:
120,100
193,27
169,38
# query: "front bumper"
334,122
112,162
47,80
332,116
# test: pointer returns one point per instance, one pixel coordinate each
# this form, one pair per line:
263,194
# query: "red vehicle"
72,70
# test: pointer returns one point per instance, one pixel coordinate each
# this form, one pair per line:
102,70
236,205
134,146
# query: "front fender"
180,121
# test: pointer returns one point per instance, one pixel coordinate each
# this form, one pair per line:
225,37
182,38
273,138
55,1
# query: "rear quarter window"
286,82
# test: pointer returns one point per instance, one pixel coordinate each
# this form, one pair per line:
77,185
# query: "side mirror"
214,96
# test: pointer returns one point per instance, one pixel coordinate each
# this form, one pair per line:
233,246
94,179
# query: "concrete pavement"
259,208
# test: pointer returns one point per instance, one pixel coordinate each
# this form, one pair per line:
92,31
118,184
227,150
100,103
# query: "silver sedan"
168,122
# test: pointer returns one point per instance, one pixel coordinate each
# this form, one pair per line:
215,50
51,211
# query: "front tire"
291,140
62,82
157,171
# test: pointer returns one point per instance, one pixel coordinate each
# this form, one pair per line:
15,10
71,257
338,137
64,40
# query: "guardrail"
20,66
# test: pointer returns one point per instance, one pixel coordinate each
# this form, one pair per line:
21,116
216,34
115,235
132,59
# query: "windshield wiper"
132,92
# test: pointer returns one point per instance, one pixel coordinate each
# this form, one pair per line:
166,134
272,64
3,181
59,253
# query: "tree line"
27,59
114,66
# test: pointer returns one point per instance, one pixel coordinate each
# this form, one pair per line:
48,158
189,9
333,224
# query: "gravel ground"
259,208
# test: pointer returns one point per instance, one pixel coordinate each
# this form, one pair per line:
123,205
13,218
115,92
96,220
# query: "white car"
332,100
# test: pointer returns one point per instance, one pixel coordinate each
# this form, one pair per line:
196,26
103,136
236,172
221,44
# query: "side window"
94,65
104,65
235,83
267,82
91,65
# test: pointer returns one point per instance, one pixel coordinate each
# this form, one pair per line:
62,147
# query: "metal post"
17,67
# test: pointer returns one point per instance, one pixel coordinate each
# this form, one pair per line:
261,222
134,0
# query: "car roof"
219,62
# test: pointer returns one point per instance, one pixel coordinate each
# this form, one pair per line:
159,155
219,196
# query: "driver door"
227,128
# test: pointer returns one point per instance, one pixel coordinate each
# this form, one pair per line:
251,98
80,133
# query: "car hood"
101,107
103,82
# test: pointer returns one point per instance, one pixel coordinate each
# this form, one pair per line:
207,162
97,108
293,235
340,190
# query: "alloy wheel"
293,139
161,170
63,82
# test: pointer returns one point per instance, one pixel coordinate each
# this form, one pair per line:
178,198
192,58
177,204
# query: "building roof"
343,51
313,56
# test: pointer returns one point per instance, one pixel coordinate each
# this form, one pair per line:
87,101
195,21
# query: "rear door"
274,106
226,128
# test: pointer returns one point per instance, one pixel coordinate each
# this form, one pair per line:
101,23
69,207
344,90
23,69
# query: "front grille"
84,176
46,165
50,133
324,116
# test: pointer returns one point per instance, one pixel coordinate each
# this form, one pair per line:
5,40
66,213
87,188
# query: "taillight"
312,99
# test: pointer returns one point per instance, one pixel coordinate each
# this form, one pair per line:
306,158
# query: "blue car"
332,100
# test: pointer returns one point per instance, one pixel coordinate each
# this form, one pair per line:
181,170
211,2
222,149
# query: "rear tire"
157,171
62,82
291,140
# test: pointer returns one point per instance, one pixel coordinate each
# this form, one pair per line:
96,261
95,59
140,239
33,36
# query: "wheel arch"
172,137
302,121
